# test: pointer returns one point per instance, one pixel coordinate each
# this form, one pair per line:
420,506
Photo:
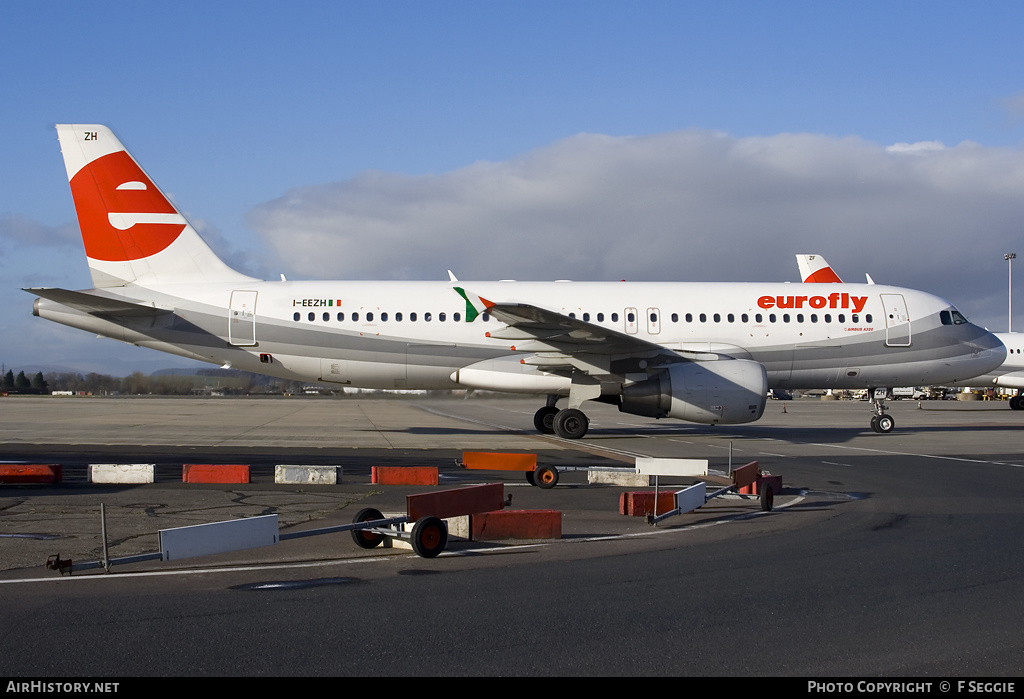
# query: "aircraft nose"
988,349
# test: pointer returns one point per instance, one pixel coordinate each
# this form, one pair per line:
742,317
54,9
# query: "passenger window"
369,317
327,317
341,317
355,317
441,317
383,317
718,318
799,317
758,318
785,317
426,317
703,318
675,317
771,317
867,318
828,317
412,317
600,317
398,317
689,317
814,317
615,317
744,318
731,318
854,318
586,317
630,317
842,317
312,316
296,316
456,317
486,317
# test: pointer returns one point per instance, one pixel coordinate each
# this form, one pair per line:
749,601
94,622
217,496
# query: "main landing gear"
1017,402
569,423
881,422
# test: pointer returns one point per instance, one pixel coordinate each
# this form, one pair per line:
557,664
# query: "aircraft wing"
559,340
99,305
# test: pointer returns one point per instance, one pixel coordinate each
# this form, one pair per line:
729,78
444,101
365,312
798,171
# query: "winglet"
475,305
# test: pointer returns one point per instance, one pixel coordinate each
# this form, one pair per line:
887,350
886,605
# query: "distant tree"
21,382
39,383
9,380
136,384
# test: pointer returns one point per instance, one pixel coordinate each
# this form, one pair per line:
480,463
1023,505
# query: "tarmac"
870,538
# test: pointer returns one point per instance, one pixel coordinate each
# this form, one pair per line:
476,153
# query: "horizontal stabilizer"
99,305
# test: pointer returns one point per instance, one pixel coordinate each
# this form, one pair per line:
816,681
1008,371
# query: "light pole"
1009,257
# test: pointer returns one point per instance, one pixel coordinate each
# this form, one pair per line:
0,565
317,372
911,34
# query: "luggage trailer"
696,496
369,528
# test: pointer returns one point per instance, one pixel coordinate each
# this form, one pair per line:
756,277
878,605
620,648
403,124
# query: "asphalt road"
887,555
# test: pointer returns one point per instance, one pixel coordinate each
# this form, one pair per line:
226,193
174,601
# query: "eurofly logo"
122,214
834,300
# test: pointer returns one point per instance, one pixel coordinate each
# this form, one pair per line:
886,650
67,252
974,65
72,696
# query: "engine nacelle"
728,391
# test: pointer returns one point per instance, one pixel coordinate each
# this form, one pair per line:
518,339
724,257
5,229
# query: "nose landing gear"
881,422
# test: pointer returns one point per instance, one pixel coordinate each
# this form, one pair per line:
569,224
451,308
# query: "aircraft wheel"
429,537
767,498
1015,403
571,423
885,424
544,419
363,538
545,477
874,423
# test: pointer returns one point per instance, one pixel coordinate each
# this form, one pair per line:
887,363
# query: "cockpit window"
952,317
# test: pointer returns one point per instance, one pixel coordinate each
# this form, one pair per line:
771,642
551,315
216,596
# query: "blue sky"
294,134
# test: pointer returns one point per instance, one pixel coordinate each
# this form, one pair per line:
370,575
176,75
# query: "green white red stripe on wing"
475,305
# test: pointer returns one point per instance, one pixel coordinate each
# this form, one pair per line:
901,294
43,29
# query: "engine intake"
727,391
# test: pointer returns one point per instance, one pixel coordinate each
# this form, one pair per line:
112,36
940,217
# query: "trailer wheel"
429,537
545,477
365,539
767,498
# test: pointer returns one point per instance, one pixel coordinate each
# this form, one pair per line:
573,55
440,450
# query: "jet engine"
729,391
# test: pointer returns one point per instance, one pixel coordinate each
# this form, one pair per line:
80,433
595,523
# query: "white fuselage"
415,334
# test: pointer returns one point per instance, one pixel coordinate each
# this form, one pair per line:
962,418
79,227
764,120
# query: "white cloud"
18,230
919,147
686,205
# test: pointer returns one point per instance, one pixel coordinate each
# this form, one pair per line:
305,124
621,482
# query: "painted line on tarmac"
923,456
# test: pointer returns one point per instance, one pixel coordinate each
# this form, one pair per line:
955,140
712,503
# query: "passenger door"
897,320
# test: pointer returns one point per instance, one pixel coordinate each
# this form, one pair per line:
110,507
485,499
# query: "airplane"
700,352
1009,374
